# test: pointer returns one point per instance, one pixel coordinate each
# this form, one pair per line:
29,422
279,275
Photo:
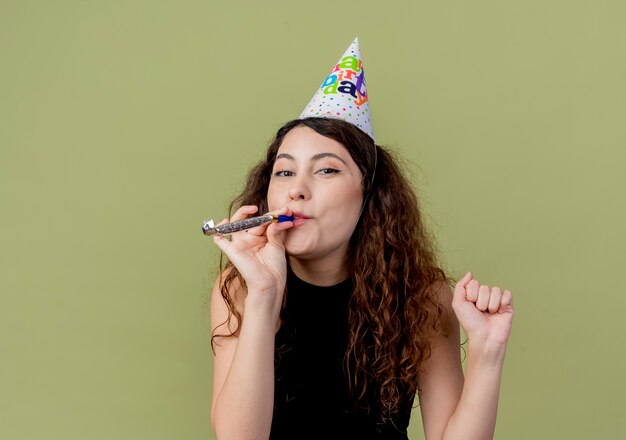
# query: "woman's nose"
299,190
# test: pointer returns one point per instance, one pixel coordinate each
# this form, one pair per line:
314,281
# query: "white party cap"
343,94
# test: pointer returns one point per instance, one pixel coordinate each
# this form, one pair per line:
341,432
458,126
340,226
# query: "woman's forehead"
306,142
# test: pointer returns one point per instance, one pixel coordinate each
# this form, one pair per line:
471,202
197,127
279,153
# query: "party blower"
209,228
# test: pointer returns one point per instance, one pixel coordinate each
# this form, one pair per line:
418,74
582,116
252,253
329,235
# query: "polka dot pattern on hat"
343,93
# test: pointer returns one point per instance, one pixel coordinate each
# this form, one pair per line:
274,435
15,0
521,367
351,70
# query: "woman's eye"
283,173
327,171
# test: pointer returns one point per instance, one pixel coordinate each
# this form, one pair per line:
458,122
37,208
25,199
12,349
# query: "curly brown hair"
394,310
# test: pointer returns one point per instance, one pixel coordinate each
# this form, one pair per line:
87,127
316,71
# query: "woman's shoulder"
442,290
442,295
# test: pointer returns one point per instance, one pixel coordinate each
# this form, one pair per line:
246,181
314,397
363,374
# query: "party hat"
343,94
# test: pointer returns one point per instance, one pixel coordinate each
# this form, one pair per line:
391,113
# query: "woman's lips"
299,219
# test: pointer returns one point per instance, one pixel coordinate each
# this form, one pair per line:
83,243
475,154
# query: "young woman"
328,326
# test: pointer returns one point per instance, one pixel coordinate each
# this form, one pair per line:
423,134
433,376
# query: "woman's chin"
295,247
296,252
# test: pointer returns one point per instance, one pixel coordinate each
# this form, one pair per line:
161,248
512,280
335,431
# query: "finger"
471,291
261,229
257,230
506,303
243,212
275,230
459,288
282,211
495,300
463,281
220,241
275,233
484,294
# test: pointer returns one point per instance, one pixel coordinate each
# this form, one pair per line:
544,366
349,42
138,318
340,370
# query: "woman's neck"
319,273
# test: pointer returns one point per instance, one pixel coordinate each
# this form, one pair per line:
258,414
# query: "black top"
311,397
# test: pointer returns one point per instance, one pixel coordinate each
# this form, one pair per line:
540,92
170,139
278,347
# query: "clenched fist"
486,313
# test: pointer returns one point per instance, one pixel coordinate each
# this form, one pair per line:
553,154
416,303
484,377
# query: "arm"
243,367
454,407
243,373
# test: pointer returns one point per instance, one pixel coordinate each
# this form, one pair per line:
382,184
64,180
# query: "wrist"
261,302
486,351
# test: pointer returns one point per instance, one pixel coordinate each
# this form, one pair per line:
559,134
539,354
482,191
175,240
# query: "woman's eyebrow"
317,156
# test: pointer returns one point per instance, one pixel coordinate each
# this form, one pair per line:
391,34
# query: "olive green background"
125,124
